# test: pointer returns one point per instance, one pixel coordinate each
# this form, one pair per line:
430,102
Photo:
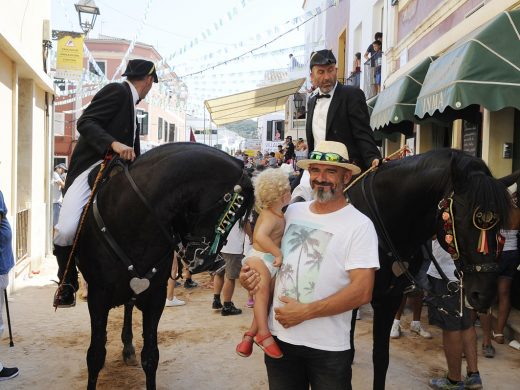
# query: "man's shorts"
233,265
451,303
509,261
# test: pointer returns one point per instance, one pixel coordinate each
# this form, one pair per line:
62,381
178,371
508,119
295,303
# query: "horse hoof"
130,360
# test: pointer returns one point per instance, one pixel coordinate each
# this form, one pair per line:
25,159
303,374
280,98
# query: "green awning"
396,103
371,103
481,69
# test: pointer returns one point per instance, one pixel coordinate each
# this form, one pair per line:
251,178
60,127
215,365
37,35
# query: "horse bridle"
452,286
224,224
483,221
138,283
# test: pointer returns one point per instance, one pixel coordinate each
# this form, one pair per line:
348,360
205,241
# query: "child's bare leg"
262,298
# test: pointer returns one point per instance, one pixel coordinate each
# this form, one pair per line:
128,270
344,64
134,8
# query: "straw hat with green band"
330,153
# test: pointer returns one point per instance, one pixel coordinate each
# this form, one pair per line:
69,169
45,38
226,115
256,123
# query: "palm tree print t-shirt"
318,252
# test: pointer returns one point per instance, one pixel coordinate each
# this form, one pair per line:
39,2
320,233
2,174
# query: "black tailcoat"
108,118
348,122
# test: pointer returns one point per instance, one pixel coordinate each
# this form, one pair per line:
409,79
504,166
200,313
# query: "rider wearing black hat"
342,113
108,124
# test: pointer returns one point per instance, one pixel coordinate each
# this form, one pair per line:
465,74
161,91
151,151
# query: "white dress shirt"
319,118
135,98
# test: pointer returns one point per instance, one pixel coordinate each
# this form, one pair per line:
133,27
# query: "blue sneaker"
445,384
473,382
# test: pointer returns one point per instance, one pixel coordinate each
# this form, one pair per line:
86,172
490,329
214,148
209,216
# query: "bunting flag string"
319,11
205,34
133,42
268,33
287,50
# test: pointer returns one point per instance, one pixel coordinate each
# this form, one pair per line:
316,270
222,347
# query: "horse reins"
99,175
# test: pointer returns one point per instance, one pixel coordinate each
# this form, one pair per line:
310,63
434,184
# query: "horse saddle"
114,167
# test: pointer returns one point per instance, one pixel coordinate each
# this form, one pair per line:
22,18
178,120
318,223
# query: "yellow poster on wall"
69,55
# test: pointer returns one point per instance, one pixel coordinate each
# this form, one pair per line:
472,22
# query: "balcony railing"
354,79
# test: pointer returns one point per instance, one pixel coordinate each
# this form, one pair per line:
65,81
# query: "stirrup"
59,297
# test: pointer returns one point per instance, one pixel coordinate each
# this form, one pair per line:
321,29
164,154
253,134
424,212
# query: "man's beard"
321,196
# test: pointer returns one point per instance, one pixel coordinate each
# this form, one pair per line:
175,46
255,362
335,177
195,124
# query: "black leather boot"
65,296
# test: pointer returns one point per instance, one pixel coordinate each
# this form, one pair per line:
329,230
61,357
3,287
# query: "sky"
187,32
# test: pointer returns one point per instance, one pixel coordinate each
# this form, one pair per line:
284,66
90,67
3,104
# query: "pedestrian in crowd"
416,302
330,257
279,154
273,160
224,282
189,282
6,264
288,150
171,299
58,184
272,193
108,124
458,333
509,261
356,65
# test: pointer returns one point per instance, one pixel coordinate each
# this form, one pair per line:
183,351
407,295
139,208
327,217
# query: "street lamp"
298,100
87,12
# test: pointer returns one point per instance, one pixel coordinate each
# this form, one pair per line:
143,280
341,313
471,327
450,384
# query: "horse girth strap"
112,243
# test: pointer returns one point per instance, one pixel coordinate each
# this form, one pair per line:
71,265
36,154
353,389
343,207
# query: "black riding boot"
65,295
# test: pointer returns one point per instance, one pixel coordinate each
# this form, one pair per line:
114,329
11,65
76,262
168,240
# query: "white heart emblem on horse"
138,285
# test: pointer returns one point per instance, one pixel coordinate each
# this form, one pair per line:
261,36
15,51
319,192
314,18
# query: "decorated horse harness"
139,283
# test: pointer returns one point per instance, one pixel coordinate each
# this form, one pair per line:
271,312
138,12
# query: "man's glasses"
332,157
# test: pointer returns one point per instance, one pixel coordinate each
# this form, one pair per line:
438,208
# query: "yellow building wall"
497,129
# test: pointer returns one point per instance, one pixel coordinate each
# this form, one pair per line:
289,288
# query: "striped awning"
482,69
250,104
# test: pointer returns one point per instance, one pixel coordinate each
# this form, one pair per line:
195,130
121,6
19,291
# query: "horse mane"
174,150
465,175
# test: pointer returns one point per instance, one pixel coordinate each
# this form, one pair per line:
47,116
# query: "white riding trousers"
73,202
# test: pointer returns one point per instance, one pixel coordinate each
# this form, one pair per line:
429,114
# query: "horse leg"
98,329
127,336
384,313
152,312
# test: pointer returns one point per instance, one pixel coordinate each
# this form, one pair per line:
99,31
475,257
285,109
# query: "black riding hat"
322,57
139,68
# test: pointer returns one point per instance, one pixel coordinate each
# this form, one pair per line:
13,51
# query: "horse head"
224,197
468,227
210,228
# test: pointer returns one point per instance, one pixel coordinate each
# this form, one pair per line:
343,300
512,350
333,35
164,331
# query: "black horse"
444,192
183,193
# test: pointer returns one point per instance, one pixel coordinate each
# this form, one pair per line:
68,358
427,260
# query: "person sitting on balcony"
108,125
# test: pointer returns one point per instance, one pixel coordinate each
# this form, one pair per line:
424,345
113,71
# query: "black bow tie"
323,95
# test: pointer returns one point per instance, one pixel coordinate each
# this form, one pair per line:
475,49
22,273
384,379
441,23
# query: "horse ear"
509,180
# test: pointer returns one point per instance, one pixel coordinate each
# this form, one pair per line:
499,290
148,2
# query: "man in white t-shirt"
330,257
